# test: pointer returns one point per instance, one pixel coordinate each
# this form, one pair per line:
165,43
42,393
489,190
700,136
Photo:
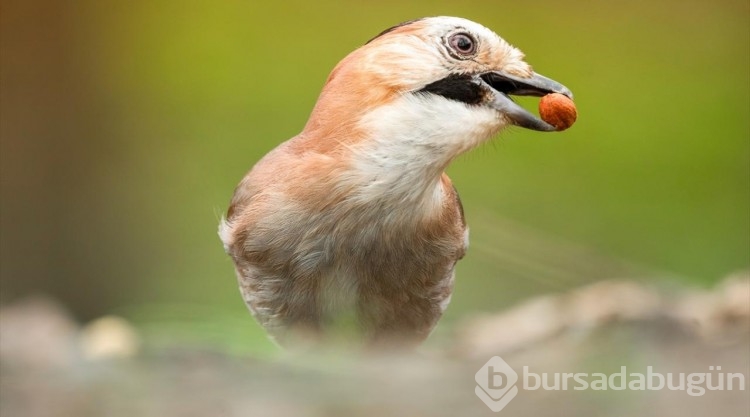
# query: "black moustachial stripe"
456,87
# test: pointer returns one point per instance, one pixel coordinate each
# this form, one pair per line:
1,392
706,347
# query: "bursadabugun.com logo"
496,381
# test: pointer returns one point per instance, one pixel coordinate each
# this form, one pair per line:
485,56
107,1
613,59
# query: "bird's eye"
463,43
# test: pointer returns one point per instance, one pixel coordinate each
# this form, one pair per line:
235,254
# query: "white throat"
411,142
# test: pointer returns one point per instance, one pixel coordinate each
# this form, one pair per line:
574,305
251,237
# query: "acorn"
558,110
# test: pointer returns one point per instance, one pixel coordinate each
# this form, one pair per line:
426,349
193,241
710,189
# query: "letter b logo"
497,379
496,383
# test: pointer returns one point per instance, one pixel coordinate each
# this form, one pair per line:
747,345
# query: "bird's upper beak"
503,85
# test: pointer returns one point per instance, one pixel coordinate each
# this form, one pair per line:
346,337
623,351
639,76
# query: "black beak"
504,85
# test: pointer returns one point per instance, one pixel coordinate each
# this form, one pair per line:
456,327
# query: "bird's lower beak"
503,85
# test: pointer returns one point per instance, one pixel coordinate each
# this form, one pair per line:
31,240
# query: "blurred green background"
126,125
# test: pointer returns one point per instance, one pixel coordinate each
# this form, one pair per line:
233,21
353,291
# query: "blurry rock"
607,301
523,325
109,337
719,314
735,291
534,321
37,333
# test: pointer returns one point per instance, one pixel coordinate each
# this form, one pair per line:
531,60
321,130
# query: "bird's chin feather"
426,130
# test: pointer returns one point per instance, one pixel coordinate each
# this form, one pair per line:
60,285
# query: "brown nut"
558,110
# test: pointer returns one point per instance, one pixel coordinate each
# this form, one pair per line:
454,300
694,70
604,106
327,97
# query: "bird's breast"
316,238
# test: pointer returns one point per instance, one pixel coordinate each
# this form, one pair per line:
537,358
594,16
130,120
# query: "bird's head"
446,74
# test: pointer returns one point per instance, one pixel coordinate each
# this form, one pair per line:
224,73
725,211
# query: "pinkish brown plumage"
352,224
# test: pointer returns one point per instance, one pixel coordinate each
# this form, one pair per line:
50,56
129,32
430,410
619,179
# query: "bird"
351,230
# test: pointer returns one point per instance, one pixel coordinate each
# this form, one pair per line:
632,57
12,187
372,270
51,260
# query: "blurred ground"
52,367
